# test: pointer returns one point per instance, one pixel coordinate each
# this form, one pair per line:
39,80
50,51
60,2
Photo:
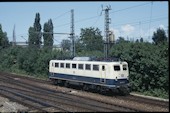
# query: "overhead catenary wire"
132,23
98,16
130,7
89,18
138,19
60,15
141,22
145,22
52,19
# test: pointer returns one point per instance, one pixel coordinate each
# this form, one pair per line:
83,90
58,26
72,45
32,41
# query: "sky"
130,20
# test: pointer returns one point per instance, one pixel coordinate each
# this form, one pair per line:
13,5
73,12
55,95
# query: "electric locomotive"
103,75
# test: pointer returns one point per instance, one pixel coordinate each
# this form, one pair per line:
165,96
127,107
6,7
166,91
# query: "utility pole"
107,22
72,34
14,37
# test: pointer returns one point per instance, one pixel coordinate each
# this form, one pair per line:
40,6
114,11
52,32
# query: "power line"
130,7
85,19
52,19
56,40
63,25
61,15
50,33
139,23
142,22
98,17
139,19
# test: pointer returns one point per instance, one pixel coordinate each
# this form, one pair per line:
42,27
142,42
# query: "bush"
148,66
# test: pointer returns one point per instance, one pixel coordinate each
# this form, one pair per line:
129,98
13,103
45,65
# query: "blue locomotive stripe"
91,80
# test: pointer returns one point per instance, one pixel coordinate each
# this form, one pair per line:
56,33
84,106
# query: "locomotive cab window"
117,68
124,67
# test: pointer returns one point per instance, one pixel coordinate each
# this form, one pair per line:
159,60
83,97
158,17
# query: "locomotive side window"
96,67
74,66
56,65
62,65
88,67
80,66
67,65
124,67
117,68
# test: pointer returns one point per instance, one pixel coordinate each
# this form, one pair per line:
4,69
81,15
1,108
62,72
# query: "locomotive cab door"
103,74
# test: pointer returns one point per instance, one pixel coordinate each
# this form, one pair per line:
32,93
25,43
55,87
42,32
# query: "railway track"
147,101
46,99
54,96
15,76
31,102
56,102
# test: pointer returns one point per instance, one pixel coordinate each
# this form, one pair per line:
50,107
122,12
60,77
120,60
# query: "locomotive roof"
78,61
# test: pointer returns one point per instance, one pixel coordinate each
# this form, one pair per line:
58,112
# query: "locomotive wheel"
66,84
98,88
124,91
85,87
54,81
94,88
61,82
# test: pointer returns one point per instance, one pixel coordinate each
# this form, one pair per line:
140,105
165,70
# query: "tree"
148,66
79,45
120,40
159,36
35,33
48,34
3,38
137,40
66,44
37,28
141,39
91,39
31,39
